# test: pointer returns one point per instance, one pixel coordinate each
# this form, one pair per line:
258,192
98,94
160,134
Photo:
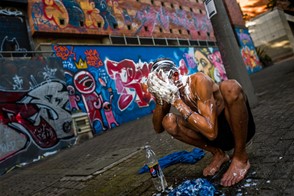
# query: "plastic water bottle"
155,170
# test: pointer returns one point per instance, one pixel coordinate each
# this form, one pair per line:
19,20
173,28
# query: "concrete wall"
34,111
272,32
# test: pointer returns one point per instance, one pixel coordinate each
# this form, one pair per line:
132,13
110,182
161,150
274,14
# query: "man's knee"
169,123
231,91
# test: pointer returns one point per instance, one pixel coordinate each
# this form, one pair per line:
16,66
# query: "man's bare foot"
235,173
217,160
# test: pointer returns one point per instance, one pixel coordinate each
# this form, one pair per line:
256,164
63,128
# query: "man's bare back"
201,104
193,84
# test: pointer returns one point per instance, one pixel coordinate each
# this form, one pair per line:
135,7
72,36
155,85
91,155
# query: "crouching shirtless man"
213,117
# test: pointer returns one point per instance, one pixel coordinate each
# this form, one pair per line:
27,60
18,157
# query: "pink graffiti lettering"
216,60
191,60
130,82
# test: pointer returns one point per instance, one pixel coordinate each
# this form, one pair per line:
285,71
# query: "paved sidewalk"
108,164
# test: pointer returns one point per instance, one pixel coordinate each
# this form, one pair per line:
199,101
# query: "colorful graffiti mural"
35,114
110,85
119,18
248,51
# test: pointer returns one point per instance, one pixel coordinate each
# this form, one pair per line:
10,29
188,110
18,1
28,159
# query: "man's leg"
237,116
177,127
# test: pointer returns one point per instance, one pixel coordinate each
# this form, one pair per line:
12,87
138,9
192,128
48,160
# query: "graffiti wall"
109,83
35,114
14,37
117,17
248,51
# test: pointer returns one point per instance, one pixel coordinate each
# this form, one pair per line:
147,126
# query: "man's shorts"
225,139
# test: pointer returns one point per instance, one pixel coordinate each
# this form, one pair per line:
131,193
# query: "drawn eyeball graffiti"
107,106
84,82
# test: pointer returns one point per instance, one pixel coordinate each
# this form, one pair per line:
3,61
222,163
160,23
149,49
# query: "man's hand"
180,86
163,88
152,89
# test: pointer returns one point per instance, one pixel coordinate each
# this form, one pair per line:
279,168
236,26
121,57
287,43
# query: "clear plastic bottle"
155,170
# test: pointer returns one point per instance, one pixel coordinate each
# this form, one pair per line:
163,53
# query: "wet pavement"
108,164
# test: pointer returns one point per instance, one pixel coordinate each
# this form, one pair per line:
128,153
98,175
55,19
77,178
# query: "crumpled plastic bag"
178,157
198,187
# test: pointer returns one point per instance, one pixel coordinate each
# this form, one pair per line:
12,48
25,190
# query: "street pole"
229,49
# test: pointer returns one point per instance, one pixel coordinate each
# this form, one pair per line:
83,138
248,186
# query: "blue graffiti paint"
248,51
120,83
75,13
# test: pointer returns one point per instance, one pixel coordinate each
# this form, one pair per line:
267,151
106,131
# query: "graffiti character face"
103,4
71,90
107,106
92,5
49,2
204,64
84,82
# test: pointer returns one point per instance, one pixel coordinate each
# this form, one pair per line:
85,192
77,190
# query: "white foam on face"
164,75
162,85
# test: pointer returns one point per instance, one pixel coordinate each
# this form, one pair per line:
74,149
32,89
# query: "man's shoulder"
201,80
199,75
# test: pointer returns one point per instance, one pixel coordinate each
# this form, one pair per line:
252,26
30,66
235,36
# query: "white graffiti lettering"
49,73
18,82
10,12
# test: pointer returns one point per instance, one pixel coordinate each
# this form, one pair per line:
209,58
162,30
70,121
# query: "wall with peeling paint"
171,19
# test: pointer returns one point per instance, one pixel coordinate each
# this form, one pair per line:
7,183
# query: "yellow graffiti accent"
55,10
81,64
250,57
92,14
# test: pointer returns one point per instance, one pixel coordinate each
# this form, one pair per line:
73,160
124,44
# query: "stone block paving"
108,164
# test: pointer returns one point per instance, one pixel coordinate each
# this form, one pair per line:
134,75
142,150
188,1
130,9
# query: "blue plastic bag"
178,157
198,187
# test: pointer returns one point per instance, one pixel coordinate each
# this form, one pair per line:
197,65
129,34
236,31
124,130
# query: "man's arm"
205,119
162,107
158,115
